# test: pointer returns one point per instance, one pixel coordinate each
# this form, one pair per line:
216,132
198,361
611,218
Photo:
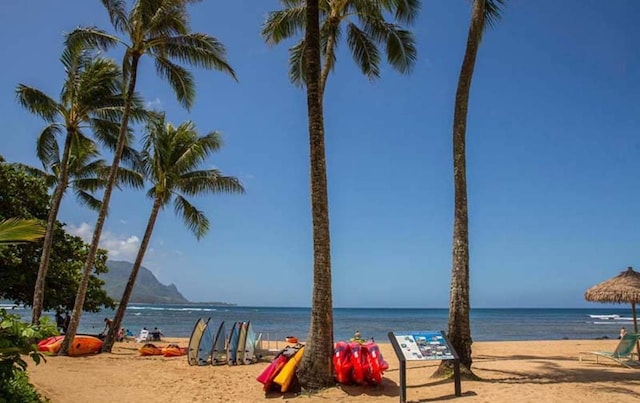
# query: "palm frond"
401,48
117,14
47,148
130,178
196,49
208,181
193,218
17,230
180,79
405,11
297,66
90,38
493,12
87,199
284,24
364,51
37,102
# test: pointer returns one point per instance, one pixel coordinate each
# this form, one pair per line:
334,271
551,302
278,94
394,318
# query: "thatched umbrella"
625,287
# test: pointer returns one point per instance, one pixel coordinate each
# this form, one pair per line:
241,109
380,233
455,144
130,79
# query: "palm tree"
171,157
485,12
159,28
367,31
322,22
90,98
18,230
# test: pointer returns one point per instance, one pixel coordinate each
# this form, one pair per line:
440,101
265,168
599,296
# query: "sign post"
423,346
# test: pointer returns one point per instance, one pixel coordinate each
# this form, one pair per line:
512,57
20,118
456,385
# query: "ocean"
277,323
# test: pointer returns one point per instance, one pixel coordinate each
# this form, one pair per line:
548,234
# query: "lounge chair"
144,336
623,354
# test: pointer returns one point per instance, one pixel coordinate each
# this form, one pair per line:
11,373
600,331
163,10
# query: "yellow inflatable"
285,376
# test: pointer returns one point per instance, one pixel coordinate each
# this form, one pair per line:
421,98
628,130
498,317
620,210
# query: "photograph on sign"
423,346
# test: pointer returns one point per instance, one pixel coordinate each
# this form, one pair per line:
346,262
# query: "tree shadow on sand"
551,373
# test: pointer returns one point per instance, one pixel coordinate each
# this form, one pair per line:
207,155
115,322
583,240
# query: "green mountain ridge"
147,290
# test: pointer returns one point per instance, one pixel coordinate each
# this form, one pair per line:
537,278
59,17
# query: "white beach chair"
144,336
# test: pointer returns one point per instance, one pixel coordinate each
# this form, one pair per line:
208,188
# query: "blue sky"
553,167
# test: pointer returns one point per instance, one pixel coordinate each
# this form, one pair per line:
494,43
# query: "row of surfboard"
209,343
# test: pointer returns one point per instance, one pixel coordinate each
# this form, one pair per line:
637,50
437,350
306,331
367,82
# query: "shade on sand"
625,287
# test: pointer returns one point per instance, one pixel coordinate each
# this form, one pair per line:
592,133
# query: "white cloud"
121,247
155,104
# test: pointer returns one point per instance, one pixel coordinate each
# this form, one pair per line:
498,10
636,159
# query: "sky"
553,163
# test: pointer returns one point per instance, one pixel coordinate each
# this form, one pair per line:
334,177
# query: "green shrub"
18,339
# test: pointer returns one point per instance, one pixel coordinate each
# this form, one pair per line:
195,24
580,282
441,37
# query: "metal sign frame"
423,345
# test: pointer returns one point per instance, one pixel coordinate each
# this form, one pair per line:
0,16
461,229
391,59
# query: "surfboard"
205,346
286,374
219,353
250,345
242,340
233,343
194,341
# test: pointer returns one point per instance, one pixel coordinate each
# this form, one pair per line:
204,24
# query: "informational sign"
416,346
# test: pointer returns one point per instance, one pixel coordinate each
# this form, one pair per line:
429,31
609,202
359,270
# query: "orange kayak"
150,349
82,345
173,350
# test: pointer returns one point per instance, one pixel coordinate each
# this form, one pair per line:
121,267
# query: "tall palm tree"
311,60
367,31
19,230
160,29
90,98
484,13
171,158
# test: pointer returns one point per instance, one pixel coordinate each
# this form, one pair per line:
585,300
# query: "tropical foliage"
171,158
18,230
16,343
90,99
23,195
160,29
367,30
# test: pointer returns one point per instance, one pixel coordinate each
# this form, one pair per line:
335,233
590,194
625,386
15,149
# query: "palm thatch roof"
625,287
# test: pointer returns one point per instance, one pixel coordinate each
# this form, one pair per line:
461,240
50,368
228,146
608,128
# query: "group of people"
124,334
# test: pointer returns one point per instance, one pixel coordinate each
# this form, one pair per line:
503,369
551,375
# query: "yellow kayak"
286,374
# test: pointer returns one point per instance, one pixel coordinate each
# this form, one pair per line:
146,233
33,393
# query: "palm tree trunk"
128,289
56,200
102,215
459,303
328,60
316,370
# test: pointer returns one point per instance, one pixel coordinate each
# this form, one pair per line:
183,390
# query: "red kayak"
377,365
342,362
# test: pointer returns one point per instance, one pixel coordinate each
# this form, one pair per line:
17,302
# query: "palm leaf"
117,14
87,199
180,79
193,218
297,66
364,51
37,102
90,37
284,24
493,11
17,230
47,148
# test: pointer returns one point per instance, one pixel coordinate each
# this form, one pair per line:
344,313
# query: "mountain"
147,290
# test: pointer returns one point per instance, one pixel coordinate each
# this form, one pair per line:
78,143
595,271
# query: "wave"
181,309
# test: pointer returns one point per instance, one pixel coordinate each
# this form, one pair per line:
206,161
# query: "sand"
524,371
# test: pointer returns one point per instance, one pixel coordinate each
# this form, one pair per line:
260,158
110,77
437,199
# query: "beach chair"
144,336
623,354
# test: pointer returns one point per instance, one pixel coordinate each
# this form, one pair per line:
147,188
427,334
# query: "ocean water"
277,323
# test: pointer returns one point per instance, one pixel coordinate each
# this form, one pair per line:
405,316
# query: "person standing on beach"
623,332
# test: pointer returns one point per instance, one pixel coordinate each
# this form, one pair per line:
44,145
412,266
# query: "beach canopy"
625,287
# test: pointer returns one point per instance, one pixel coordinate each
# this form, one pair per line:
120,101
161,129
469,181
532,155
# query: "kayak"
173,350
150,349
82,345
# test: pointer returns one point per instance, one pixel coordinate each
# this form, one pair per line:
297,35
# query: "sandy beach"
523,371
